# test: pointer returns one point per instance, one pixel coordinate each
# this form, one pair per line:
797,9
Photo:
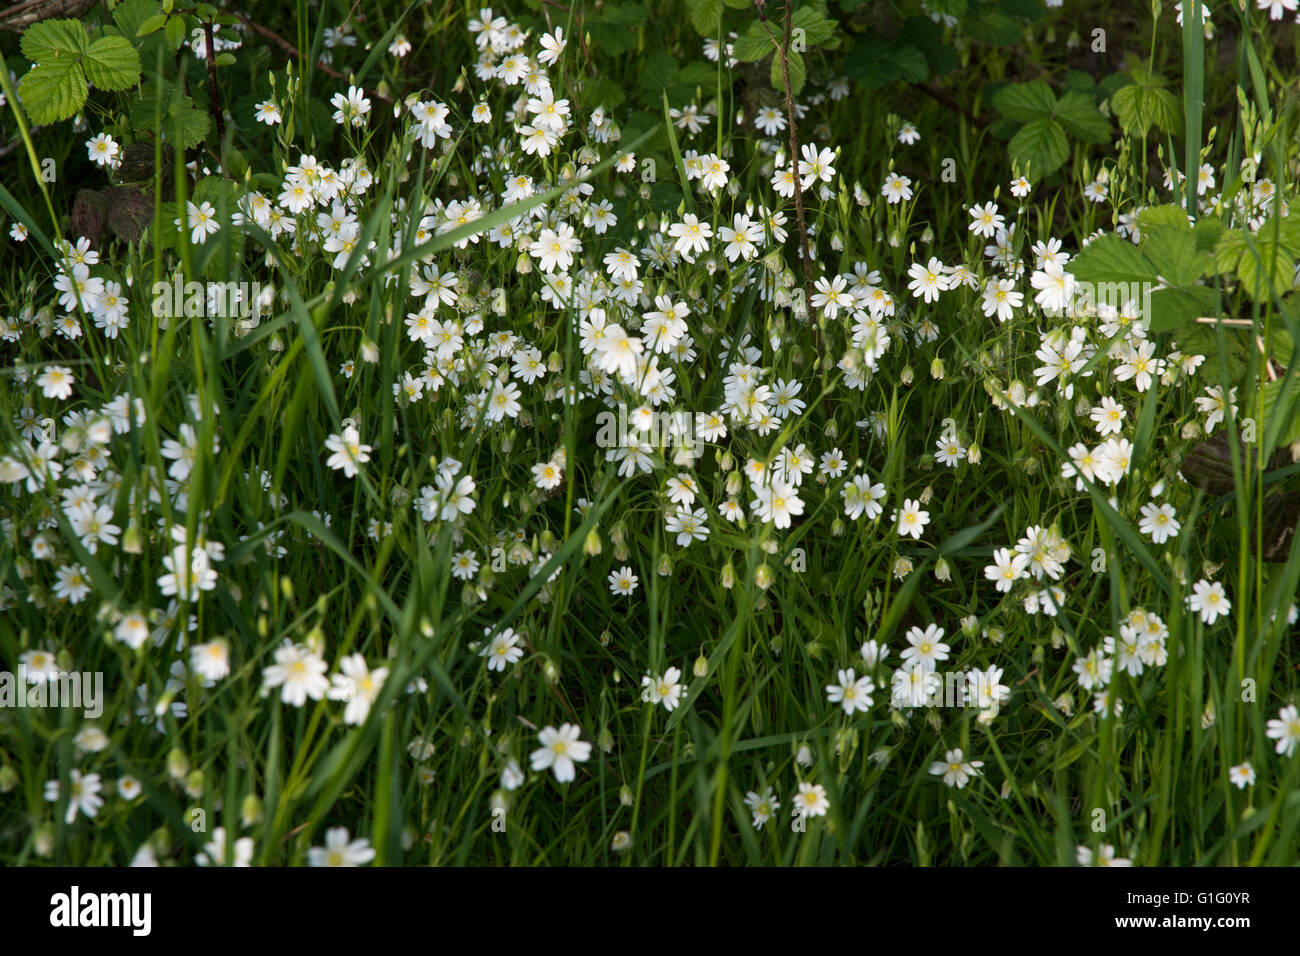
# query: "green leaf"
1109,258
927,36
112,64
1079,116
175,30
1173,254
752,45
1140,107
1167,216
658,71
1269,393
189,124
704,16
695,74
1039,148
812,20
1174,309
53,91
798,72
131,16
876,63
1025,102
152,25
51,40
624,14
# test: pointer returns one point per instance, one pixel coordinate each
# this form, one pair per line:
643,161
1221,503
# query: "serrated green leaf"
1079,117
53,91
752,45
875,63
1164,216
1039,148
112,64
1139,107
1109,258
1173,254
50,40
1025,102
812,20
704,16
188,123
1175,309
658,71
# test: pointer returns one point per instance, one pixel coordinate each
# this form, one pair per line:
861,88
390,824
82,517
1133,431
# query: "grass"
759,619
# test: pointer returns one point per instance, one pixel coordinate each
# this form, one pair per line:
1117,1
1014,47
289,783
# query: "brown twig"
214,95
292,52
17,142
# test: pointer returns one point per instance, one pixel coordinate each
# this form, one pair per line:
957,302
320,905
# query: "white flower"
560,750
348,452
214,852
267,112
358,685
926,648
1105,857
928,280
103,150
815,165
211,661
911,519
955,769
691,235
504,649
1209,600
811,800
666,689
339,851
1007,568
83,794
986,220
1159,522
763,806
896,189
56,382
202,220
298,672
1285,730
622,581
1242,775
552,47
350,108
852,693
1001,299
